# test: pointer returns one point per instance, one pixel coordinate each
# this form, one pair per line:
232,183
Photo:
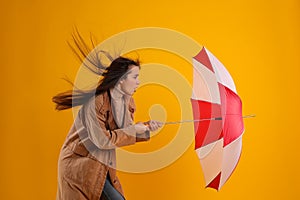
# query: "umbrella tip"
249,116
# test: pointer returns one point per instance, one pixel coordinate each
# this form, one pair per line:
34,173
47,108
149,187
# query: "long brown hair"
90,58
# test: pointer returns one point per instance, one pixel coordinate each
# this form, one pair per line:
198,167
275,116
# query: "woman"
87,162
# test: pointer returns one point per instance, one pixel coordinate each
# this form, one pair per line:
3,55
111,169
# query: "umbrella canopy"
219,125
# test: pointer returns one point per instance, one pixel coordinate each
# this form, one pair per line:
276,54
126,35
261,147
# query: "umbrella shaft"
200,120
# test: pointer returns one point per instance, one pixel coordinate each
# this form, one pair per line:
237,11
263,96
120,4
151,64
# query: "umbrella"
218,120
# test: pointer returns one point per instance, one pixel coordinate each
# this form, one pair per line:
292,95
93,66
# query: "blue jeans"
109,192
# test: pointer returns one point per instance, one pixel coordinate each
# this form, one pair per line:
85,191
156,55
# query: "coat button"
110,163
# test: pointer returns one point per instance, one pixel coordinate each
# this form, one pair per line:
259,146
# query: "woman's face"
131,82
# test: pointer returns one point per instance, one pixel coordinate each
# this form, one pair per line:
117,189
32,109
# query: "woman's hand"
141,127
153,125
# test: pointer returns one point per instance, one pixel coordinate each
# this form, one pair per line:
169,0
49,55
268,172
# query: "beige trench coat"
88,153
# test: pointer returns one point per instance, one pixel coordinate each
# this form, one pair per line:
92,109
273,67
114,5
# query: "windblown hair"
91,59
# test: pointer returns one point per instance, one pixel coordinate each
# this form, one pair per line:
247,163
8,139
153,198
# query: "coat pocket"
79,149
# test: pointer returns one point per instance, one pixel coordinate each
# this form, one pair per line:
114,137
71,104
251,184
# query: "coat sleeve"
96,123
139,137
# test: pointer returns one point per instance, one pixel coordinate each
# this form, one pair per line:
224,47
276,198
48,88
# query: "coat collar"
107,107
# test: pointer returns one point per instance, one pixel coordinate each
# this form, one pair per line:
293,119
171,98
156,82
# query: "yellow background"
258,41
